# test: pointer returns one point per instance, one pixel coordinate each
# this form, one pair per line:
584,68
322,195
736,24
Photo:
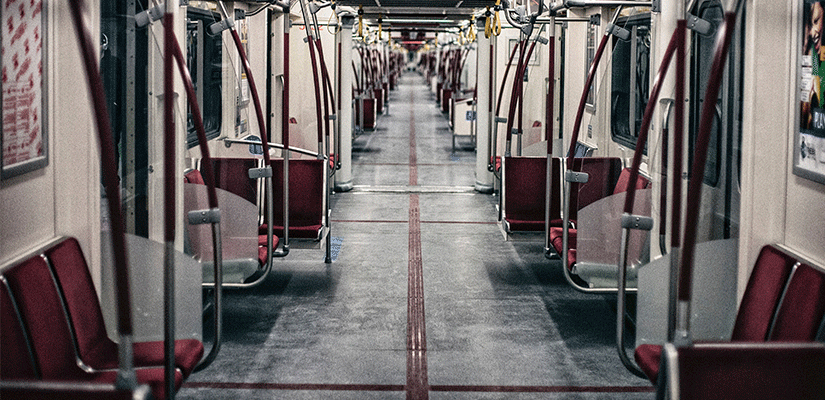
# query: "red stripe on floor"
413,156
417,383
293,386
542,389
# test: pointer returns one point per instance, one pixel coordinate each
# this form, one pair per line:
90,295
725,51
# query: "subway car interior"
382,199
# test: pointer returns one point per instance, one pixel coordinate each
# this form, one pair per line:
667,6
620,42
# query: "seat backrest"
526,180
603,173
802,307
232,175
762,293
624,182
306,191
747,371
32,286
193,176
77,288
16,360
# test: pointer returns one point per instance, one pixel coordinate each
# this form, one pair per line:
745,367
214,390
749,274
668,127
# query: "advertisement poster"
23,138
809,137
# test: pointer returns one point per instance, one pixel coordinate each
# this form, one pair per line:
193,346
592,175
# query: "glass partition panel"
239,234
599,239
146,281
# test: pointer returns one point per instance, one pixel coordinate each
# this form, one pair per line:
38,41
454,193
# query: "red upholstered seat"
624,182
759,305
525,193
262,247
94,346
753,372
649,358
232,175
800,313
762,294
15,356
497,161
306,195
41,310
601,173
194,176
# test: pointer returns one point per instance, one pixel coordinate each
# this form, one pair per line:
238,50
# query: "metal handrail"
676,44
126,378
682,336
229,142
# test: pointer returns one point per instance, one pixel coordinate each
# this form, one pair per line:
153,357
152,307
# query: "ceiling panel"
451,10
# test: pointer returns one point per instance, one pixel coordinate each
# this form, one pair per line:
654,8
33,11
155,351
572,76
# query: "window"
700,64
123,67
204,57
590,51
630,80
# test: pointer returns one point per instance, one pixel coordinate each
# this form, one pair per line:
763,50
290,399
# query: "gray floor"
500,321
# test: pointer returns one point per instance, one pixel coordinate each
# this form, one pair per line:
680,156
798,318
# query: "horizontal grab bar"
230,142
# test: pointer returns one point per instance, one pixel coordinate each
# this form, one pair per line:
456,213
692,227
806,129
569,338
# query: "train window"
700,63
124,55
590,51
205,58
630,80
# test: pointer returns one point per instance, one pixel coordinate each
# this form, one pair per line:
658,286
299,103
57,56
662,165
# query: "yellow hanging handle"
471,36
493,27
337,21
361,21
380,28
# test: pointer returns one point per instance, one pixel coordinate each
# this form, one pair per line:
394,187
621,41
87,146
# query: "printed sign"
23,137
809,137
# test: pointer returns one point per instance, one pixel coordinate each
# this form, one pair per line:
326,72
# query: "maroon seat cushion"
557,238
603,173
262,247
525,180
94,346
193,176
296,231
756,312
306,196
800,313
757,371
32,287
15,356
762,293
232,175
648,357
624,182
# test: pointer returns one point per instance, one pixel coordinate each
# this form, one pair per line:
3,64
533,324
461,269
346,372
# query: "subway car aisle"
424,298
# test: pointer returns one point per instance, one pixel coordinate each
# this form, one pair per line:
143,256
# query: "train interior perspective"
387,199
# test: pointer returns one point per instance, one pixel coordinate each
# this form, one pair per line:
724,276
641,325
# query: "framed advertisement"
590,54
24,138
809,135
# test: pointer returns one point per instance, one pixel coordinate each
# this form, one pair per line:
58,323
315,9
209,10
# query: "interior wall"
64,197
777,206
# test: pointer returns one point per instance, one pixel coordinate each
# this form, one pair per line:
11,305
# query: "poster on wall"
23,139
809,137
